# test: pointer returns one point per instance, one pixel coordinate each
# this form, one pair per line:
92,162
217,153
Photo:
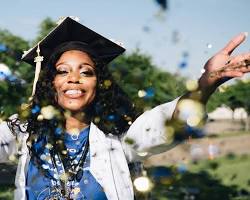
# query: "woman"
79,133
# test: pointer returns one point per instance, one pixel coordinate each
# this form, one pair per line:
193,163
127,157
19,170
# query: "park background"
167,45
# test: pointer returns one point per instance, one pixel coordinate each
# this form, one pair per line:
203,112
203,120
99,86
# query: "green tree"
44,28
13,90
234,96
146,84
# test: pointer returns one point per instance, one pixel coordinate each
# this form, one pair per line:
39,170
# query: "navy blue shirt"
39,186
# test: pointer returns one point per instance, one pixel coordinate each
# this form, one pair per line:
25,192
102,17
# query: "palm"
222,66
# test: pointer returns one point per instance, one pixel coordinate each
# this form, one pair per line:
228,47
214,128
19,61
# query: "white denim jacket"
110,155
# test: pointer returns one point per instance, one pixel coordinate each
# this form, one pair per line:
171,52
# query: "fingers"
226,74
231,74
234,43
235,68
238,58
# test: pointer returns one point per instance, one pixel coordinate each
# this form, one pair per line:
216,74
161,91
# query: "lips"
74,93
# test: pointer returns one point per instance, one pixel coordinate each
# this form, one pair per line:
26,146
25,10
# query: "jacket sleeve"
148,134
8,145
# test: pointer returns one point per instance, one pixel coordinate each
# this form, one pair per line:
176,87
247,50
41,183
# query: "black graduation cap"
70,30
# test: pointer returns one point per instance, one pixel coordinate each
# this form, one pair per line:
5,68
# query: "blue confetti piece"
3,48
183,65
182,168
3,76
111,117
35,110
58,131
149,93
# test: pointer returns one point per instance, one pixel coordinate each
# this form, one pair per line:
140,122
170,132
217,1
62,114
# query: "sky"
180,39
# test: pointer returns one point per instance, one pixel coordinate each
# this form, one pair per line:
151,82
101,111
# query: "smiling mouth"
74,93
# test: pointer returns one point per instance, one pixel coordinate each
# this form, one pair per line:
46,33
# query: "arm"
149,134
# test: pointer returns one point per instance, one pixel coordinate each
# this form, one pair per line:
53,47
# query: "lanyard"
74,169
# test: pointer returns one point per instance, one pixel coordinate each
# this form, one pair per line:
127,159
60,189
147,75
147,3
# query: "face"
75,81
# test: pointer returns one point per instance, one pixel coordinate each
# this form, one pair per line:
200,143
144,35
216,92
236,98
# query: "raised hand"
222,66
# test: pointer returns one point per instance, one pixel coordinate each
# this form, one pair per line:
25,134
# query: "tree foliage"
13,89
146,84
234,96
44,28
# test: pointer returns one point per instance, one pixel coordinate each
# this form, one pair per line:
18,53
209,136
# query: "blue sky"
190,31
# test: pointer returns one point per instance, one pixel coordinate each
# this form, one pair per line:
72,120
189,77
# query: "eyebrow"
84,63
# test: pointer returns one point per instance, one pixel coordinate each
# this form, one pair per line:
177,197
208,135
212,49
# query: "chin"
74,108
75,105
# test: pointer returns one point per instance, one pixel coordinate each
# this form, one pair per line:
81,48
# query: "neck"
76,121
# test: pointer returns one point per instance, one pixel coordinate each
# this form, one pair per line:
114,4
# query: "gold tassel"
38,60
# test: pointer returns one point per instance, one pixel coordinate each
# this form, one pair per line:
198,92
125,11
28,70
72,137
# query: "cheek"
92,87
57,83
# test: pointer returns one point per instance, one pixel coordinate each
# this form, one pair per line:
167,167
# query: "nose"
74,77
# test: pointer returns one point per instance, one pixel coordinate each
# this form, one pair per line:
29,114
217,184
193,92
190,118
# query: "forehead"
75,55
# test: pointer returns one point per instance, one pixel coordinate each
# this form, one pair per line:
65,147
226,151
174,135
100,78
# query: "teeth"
73,92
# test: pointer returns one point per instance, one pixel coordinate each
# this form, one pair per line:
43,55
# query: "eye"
87,72
61,72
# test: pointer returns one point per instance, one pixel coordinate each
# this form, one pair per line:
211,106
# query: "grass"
228,134
231,169
225,178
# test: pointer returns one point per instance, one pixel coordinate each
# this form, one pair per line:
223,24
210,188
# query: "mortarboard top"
71,30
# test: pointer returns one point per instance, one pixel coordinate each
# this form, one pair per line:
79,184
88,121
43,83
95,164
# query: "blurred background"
167,42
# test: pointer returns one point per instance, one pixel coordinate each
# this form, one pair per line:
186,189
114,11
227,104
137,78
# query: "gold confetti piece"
107,84
49,112
24,106
97,120
81,80
190,111
143,154
143,184
67,114
13,158
40,117
64,177
76,190
129,140
49,146
192,85
142,93
64,152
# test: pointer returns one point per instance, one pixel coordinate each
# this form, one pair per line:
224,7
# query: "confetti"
142,93
49,112
191,111
40,117
192,85
143,184
142,154
209,46
129,140
107,84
